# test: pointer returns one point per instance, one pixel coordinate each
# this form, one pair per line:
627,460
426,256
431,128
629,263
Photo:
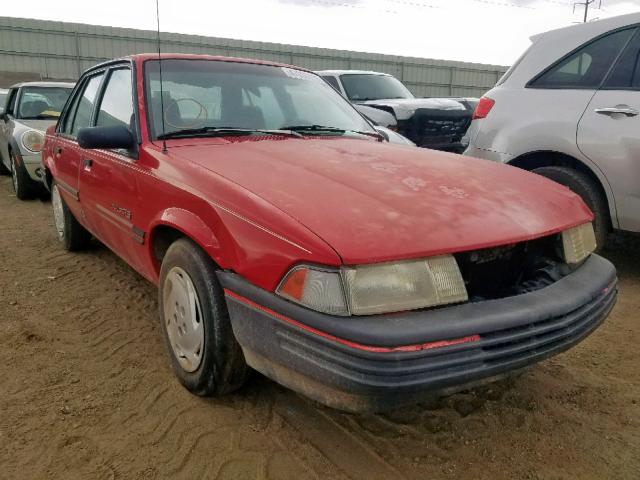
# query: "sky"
480,31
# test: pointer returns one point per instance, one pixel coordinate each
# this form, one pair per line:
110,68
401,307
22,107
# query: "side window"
11,104
80,115
333,81
626,73
587,67
116,107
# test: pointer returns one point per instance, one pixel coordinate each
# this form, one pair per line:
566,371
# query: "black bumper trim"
360,380
450,322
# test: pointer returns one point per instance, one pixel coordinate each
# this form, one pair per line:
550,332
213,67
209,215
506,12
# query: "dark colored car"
437,123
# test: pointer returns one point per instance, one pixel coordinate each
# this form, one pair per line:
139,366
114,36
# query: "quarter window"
116,108
587,67
333,81
626,73
80,115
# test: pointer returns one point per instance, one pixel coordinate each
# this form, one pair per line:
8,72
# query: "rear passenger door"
108,181
609,133
67,155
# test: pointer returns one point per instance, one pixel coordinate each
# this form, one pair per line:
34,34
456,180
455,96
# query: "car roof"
143,57
350,72
595,26
551,46
43,84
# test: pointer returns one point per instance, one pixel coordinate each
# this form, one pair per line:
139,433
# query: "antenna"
164,142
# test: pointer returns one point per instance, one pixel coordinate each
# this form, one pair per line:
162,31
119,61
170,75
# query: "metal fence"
37,49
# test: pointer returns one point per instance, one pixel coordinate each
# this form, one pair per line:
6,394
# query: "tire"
581,184
3,169
23,186
204,353
72,235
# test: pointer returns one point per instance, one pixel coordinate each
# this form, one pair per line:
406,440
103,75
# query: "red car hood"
375,202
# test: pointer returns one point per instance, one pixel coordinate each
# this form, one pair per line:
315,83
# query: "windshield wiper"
223,132
336,130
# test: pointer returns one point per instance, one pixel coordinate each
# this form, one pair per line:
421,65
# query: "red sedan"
285,235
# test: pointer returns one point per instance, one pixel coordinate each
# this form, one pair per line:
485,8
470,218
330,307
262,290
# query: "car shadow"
623,249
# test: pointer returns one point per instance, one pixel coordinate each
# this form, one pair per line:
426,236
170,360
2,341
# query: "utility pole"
586,5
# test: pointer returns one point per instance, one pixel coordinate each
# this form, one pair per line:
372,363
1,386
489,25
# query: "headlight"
377,288
33,140
578,243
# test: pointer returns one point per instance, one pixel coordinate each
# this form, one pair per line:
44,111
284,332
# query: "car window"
331,80
202,93
362,87
81,117
626,73
265,99
587,67
3,100
11,104
42,102
116,107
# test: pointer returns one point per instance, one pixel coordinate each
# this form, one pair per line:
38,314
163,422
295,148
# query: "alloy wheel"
58,211
14,173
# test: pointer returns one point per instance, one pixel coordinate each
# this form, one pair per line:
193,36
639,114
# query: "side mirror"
105,137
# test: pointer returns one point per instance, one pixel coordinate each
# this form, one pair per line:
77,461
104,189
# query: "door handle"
619,109
57,151
87,163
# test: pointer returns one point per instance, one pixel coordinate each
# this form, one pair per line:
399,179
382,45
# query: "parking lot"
87,392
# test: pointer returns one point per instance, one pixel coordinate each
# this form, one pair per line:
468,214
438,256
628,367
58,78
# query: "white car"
569,109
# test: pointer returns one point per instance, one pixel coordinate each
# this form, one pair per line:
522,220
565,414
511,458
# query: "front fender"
190,224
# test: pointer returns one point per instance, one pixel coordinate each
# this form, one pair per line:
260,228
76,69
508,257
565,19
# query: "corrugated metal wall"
37,49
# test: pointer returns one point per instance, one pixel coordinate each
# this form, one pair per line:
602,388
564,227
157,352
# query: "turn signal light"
483,108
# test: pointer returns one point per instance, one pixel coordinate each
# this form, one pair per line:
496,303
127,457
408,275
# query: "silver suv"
569,110
29,109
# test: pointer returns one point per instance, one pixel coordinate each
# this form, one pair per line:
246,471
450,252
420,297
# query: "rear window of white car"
586,67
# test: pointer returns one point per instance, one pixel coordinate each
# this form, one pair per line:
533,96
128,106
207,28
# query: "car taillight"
483,108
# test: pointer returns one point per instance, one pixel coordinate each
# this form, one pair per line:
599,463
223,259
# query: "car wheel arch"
176,223
548,158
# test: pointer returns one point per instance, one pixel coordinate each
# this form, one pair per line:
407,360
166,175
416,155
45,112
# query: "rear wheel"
204,353
71,234
24,187
583,185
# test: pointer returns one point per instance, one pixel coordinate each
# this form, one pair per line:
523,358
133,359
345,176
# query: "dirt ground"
86,391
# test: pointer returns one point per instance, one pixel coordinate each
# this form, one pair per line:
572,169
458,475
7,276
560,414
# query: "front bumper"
33,166
373,363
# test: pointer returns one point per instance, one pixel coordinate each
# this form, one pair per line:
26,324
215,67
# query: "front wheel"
24,187
204,353
585,187
71,234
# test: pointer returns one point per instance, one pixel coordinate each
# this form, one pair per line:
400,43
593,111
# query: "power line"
586,4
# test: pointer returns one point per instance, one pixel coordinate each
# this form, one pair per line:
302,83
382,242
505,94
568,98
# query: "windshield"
42,102
207,94
362,87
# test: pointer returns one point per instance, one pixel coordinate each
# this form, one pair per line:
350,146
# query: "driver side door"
108,179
